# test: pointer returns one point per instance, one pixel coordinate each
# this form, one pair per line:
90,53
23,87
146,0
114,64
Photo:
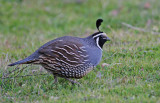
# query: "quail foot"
69,57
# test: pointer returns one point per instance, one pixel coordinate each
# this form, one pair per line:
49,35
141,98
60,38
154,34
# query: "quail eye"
101,36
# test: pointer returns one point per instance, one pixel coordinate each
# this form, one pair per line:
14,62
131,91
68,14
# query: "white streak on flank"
84,55
64,56
48,68
97,42
60,40
79,65
64,50
99,35
75,46
76,58
70,53
69,47
59,53
86,60
79,51
65,62
82,48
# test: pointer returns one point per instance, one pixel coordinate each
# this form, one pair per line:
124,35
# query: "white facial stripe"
96,36
99,35
97,42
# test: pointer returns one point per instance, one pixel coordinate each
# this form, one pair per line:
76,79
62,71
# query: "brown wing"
64,52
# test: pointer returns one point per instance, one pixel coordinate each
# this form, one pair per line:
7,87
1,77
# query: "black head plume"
98,23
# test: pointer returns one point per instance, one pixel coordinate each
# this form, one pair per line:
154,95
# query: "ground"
130,67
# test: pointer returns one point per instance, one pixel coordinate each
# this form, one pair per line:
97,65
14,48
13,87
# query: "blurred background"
38,20
129,70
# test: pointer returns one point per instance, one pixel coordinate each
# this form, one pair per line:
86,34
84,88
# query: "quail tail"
24,61
32,58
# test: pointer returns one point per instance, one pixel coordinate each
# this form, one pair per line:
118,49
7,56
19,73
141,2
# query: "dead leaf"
105,64
114,12
147,5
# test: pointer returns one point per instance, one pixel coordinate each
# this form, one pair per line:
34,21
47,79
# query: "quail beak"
108,39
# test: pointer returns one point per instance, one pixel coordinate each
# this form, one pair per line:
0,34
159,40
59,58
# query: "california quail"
69,57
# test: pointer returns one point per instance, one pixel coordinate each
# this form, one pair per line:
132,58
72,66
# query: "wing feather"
68,51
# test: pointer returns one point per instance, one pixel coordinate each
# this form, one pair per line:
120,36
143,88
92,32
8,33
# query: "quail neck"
94,45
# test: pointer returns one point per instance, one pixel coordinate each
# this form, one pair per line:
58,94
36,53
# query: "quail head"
69,57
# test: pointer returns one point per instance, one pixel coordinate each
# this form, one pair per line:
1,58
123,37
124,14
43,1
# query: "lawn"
130,67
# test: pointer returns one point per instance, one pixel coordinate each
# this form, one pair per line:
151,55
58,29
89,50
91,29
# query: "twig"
23,76
6,75
110,56
140,29
11,71
15,70
20,71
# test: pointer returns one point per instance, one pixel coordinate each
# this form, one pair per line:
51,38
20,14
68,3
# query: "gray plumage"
69,57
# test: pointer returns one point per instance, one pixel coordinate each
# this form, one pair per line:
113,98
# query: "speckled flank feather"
65,58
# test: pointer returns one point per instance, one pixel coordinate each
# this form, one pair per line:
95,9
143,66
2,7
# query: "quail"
69,57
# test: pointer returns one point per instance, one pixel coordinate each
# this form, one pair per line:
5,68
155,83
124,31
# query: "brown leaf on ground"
147,5
105,64
114,12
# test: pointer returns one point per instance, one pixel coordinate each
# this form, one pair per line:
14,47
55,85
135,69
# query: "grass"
133,57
